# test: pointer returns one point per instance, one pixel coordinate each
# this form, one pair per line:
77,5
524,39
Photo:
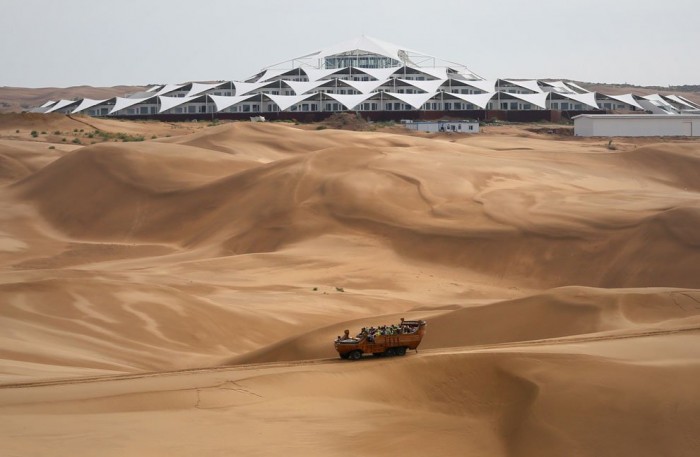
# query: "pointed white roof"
167,103
625,98
272,73
302,87
285,101
680,101
350,101
480,100
243,88
222,101
681,98
436,72
576,86
198,88
60,104
482,84
530,84
427,86
365,86
47,104
415,100
169,88
314,74
123,102
381,74
588,98
87,103
539,99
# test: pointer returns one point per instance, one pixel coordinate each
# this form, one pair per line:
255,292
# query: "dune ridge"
181,294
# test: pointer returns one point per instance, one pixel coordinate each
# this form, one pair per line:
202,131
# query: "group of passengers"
383,330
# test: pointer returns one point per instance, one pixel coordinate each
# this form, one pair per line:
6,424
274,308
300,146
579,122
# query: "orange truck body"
410,336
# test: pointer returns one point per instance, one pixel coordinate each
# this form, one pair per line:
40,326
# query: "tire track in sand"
334,360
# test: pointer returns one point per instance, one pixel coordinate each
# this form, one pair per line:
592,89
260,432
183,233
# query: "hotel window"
514,105
527,106
564,106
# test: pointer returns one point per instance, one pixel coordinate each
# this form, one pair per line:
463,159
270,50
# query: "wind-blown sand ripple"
559,279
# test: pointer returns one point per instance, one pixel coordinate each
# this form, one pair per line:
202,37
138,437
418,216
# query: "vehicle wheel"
401,350
345,355
390,352
377,354
355,355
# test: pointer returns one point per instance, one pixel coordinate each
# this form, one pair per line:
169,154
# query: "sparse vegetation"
63,139
120,136
17,131
154,137
57,132
34,134
321,127
52,147
76,141
43,132
611,146
347,121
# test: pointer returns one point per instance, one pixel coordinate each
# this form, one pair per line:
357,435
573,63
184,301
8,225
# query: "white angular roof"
285,101
222,101
480,100
587,98
365,86
60,104
426,86
302,87
529,84
198,88
87,103
124,102
625,98
167,103
350,101
415,100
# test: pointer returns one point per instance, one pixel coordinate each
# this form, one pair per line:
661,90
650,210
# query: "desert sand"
180,295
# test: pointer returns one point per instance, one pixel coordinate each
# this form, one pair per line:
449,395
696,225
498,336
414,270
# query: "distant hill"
18,99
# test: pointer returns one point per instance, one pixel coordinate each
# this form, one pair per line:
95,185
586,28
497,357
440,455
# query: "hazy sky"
104,42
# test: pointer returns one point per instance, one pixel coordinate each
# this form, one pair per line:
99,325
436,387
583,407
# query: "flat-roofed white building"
463,126
608,125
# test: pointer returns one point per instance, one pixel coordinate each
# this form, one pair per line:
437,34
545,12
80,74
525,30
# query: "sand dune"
559,280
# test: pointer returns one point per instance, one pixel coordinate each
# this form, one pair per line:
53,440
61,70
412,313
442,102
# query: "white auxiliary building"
464,126
636,125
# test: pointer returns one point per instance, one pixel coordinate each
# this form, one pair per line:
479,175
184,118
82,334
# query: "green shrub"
57,132
52,147
43,132
17,131
63,139
34,134
76,141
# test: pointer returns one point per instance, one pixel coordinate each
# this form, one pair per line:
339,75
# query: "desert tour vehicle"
386,340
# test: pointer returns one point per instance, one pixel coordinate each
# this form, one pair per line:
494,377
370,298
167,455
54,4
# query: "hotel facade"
378,79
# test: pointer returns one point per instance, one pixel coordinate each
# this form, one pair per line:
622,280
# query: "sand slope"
559,280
